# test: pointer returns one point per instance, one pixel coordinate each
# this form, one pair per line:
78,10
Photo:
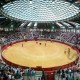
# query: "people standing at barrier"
29,73
33,74
43,75
26,73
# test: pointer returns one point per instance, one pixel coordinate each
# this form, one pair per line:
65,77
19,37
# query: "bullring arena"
44,53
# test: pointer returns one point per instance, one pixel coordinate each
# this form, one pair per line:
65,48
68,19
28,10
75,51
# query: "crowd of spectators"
68,74
29,34
11,73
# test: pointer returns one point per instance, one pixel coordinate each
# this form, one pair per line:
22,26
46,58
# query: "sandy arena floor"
32,54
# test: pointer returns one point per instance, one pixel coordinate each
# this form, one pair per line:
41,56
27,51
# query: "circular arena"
43,53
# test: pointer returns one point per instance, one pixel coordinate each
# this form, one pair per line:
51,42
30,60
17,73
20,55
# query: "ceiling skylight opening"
30,2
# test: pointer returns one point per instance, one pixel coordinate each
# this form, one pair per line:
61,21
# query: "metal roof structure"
40,11
57,14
